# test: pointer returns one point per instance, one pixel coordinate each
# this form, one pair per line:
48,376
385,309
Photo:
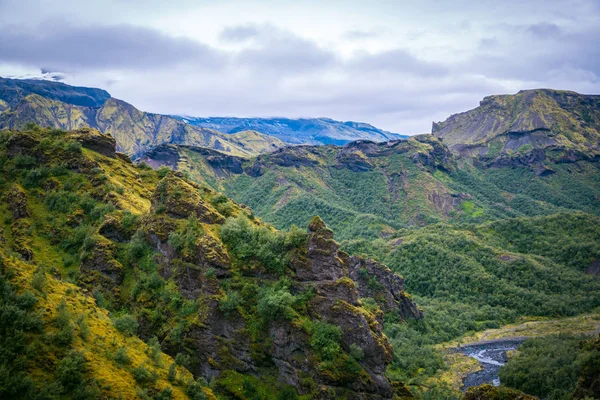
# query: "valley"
236,266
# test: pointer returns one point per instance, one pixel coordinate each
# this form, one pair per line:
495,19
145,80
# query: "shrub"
24,162
39,281
19,325
35,176
325,339
84,329
121,357
248,243
274,303
74,147
70,370
163,171
62,201
126,324
288,393
194,391
154,351
165,394
357,352
230,302
64,335
182,360
142,375
172,375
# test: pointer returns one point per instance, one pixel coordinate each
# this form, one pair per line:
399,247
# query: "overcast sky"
396,64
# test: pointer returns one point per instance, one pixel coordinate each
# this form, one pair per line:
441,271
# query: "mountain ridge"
68,107
539,119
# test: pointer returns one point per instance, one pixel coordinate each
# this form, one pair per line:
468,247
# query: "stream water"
491,356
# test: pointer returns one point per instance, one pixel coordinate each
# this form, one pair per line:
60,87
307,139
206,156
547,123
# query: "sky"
398,65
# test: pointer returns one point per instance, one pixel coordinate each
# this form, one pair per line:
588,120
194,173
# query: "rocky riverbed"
491,356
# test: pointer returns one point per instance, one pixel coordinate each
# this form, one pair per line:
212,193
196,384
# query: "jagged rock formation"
321,267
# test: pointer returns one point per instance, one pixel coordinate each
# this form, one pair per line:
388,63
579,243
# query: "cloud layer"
399,78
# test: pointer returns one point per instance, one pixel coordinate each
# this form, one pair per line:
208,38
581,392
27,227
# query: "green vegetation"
106,253
550,367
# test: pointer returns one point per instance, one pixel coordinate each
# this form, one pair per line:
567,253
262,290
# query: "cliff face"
197,275
561,122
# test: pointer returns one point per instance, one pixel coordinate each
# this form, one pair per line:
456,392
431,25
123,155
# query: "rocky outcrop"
180,200
17,202
328,269
99,266
97,141
378,282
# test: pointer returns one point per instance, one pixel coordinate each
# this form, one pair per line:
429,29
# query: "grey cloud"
360,35
398,61
65,47
544,30
276,50
239,33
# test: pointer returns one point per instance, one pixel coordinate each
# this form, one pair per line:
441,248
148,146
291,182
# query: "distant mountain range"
299,131
57,105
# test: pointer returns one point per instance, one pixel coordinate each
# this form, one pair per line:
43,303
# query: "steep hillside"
56,105
533,125
259,312
299,131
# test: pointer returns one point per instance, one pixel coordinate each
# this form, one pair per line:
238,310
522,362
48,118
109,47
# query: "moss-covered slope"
150,255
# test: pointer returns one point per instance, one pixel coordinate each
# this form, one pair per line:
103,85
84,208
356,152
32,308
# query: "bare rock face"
336,302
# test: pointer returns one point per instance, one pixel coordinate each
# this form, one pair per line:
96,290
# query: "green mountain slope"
56,105
368,190
479,245
133,252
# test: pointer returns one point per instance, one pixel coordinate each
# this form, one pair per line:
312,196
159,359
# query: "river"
491,356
